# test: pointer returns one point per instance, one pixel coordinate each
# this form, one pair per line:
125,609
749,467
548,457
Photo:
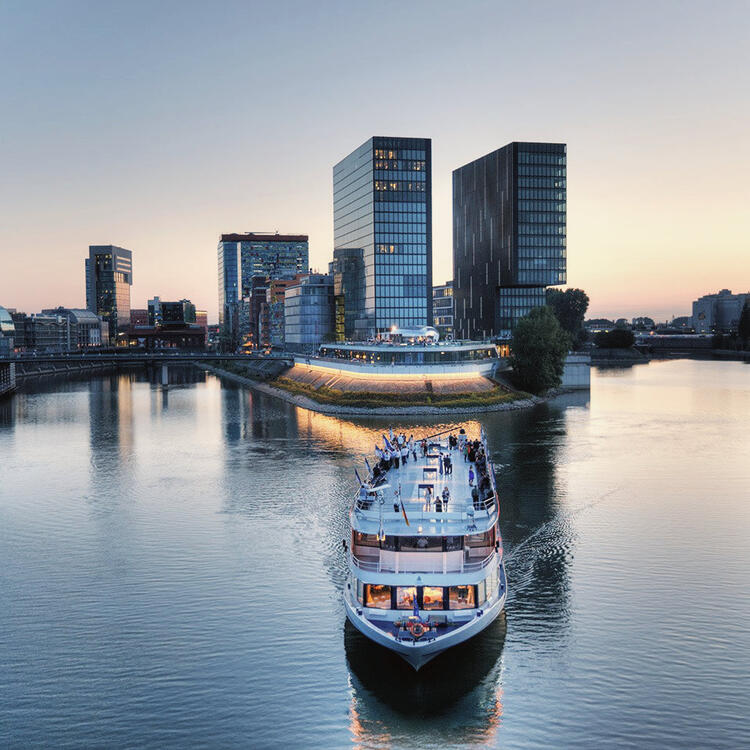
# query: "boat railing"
380,566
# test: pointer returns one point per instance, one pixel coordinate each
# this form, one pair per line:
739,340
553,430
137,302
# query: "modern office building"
109,276
243,257
719,313
161,312
442,309
348,272
382,205
308,313
509,236
201,319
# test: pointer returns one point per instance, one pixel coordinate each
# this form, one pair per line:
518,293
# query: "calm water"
171,572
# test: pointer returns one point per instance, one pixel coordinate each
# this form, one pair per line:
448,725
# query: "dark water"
171,571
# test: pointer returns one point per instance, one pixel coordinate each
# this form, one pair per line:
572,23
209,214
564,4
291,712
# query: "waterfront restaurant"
388,358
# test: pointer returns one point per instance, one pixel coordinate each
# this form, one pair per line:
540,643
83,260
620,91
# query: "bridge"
140,357
57,363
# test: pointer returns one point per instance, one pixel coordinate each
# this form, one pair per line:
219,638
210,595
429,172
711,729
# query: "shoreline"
306,402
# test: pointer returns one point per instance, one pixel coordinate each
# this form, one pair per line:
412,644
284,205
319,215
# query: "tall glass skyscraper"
109,276
509,236
382,204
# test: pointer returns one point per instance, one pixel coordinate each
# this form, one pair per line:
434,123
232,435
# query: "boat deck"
420,484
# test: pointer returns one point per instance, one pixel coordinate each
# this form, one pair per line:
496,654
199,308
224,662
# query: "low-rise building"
138,316
309,313
83,328
442,309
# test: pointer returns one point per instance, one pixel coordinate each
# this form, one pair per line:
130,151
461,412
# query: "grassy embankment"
374,400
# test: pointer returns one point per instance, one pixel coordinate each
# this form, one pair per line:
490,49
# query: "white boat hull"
418,653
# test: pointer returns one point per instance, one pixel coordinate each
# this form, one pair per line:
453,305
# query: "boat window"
360,591
420,543
366,540
481,592
405,596
492,583
480,540
377,596
452,543
432,597
461,597
390,542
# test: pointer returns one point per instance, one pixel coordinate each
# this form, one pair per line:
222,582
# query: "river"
171,572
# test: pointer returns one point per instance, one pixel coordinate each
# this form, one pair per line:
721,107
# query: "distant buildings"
160,312
442,309
253,255
718,313
308,313
138,316
509,236
382,205
109,276
201,319
7,334
59,329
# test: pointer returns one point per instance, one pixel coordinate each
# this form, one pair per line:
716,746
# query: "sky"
159,126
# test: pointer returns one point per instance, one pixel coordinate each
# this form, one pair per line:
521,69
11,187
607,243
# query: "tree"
617,338
539,348
570,309
743,327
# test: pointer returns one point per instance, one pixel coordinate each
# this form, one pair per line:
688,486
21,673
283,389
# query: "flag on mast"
359,478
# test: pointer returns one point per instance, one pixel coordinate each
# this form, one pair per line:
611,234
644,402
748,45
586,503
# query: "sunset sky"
157,126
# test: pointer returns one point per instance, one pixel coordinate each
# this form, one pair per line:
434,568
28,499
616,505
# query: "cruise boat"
425,554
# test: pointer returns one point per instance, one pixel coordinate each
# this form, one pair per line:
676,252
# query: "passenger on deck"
424,448
471,476
446,498
396,458
404,454
465,451
452,441
461,438
440,463
448,464
412,447
428,496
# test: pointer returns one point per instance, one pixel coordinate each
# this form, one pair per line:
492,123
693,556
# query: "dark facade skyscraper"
382,204
348,272
109,276
509,236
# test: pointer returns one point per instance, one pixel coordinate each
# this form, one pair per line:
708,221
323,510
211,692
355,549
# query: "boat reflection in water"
455,699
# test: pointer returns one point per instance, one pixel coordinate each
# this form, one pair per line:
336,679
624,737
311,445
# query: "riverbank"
333,402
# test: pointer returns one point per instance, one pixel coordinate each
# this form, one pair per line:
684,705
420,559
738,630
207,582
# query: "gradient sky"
159,125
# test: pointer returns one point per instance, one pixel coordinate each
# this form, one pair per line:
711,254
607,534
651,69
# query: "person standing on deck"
471,476
404,454
440,463
395,456
446,498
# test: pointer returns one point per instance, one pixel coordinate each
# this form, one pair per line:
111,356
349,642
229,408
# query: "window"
377,596
481,592
461,597
405,596
432,597
419,543
366,540
360,590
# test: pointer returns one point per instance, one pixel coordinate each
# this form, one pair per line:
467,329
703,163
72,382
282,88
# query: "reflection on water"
172,571
454,700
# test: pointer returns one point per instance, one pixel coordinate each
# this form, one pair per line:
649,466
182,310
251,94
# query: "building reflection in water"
454,700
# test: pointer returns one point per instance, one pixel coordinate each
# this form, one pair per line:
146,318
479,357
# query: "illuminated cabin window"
377,596
366,540
405,596
461,597
432,597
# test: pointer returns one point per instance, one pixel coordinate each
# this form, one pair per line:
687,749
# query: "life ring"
416,628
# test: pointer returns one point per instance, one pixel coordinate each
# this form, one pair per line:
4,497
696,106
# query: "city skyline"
134,150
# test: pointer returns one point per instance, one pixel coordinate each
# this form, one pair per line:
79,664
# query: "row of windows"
401,248
388,196
526,205
541,252
528,170
522,296
411,165
541,242
550,194
399,238
534,217
542,277
541,229
399,186
386,176
540,157
399,223
401,153
386,208
545,182
379,596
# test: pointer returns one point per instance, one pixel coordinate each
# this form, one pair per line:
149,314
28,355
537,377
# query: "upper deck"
414,490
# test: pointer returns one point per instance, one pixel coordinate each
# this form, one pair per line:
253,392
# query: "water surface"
171,572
